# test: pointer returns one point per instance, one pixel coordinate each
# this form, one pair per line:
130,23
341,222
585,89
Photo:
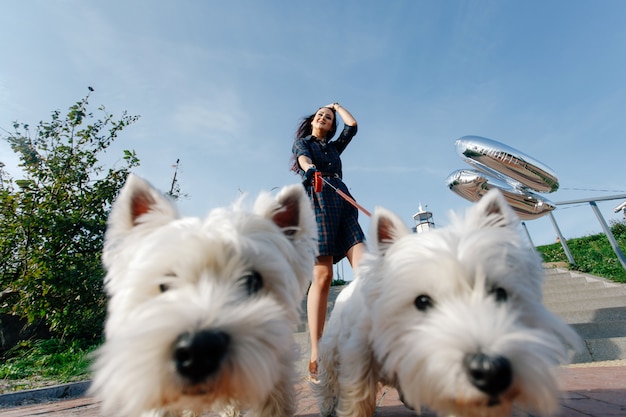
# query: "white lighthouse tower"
423,220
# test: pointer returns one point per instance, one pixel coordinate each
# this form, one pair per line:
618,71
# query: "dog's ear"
495,211
138,198
387,228
294,214
287,216
138,203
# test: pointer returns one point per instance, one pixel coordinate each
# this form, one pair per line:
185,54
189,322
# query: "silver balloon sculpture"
515,174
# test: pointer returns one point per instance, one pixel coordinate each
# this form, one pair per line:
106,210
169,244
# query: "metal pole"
609,235
562,239
174,179
528,234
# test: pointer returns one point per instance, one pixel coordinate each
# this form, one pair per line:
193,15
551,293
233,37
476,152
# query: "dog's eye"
253,282
500,294
165,286
423,302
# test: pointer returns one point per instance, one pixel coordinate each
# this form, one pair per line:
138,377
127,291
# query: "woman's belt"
330,174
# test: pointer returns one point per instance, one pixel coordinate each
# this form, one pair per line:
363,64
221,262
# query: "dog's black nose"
198,355
490,374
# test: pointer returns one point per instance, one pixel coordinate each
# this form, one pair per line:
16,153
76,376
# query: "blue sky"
222,86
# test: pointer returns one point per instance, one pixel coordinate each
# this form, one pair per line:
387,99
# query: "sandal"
313,371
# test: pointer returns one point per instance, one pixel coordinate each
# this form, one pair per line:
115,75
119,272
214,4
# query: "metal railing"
603,224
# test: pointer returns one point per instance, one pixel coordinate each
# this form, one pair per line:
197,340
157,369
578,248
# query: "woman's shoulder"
302,145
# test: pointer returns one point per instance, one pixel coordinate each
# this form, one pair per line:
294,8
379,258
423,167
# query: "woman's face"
322,122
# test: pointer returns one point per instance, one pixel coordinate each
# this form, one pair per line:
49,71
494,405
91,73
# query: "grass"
592,254
34,364
37,363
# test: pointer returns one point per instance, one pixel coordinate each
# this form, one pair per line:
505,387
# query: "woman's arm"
305,163
347,118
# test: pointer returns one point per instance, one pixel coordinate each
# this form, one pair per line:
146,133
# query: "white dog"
202,312
451,317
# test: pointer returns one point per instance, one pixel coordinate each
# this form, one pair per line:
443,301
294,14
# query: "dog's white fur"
428,310
236,278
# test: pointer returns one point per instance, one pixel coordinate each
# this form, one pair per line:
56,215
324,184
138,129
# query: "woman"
339,232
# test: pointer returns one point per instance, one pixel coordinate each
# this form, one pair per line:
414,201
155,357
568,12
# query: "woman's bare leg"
355,254
317,300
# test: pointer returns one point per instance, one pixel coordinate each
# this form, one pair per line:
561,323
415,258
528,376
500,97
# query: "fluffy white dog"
201,313
452,318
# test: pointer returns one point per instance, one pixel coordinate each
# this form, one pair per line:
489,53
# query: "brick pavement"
589,390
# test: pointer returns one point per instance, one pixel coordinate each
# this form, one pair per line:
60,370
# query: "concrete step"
574,277
564,282
600,315
600,330
606,349
594,307
583,294
559,289
592,304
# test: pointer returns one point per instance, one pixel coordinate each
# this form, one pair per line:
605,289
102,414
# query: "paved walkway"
591,390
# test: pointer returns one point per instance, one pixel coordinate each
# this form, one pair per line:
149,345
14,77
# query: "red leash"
318,182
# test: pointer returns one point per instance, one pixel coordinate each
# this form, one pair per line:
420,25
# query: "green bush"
53,218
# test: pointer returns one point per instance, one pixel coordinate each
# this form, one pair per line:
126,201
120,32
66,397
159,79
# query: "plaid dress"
337,220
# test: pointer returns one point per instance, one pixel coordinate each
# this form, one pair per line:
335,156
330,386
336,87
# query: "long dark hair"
305,129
